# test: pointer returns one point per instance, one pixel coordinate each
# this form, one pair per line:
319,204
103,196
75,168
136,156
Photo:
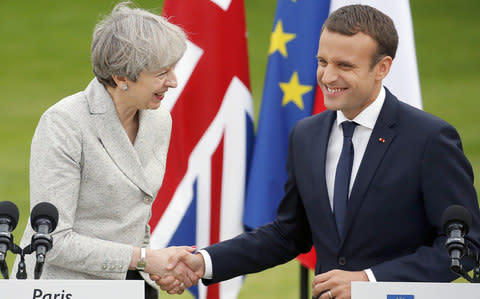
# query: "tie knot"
348,128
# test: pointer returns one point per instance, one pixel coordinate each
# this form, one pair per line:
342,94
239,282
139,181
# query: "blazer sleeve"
55,174
447,179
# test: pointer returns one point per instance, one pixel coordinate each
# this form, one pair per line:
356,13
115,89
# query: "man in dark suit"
399,167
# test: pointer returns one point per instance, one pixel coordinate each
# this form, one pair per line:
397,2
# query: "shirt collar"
368,116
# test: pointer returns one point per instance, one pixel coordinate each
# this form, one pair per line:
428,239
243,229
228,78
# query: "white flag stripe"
224,4
204,194
234,165
183,70
403,80
203,211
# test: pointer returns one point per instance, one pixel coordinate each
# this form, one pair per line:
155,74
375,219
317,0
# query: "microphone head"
456,214
9,210
44,210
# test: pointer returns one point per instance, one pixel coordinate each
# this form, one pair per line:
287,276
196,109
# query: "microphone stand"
39,267
6,239
4,268
42,239
457,268
41,243
476,269
21,271
37,239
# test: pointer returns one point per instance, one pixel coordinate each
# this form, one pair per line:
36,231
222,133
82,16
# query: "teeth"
334,89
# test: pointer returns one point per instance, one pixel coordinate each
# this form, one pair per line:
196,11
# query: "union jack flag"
201,200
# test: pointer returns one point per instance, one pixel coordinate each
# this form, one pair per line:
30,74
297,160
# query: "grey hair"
131,40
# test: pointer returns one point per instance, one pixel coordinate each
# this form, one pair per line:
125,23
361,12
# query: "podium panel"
414,290
71,289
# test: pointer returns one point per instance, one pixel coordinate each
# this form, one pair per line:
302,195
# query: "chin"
331,105
153,104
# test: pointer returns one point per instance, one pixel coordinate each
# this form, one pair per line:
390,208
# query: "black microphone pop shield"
44,210
9,210
456,214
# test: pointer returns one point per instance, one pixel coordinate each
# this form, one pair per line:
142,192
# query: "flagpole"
303,282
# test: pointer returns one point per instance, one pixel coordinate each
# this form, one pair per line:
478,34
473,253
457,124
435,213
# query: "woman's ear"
120,80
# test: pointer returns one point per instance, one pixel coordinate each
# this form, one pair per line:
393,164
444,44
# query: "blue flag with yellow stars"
288,96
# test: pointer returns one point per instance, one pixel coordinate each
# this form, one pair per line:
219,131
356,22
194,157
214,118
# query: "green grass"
44,47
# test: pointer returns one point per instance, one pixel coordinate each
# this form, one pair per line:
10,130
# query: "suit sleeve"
447,179
55,175
269,245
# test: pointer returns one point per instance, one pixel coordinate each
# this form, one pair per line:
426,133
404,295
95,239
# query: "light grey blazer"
83,162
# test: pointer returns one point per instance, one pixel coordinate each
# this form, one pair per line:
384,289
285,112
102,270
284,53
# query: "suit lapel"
382,136
320,139
113,137
149,134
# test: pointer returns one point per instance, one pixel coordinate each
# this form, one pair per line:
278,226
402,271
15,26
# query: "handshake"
175,268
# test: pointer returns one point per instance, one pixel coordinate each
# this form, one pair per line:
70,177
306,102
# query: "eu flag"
288,96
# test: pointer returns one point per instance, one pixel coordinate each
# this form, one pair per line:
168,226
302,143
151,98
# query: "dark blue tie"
342,176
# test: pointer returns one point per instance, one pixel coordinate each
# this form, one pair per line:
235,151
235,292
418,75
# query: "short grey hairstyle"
131,40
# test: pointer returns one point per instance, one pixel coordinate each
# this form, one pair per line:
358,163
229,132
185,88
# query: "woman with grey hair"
99,156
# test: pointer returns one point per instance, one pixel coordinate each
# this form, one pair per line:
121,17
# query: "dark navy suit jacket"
412,170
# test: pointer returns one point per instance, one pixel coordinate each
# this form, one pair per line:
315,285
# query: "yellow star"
279,40
293,91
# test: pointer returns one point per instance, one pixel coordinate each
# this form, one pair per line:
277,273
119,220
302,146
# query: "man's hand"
167,262
172,282
338,282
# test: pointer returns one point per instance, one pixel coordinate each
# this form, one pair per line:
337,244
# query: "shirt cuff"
370,275
208,264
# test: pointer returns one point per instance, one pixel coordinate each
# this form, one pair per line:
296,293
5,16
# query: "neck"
375,92
127,114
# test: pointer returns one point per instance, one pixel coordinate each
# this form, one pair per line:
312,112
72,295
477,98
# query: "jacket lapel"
113,137
320,139
382,136
149,134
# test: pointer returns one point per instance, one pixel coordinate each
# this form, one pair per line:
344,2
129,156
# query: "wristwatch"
142,262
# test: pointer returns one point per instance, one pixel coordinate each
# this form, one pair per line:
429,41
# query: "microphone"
8,221
44,219
456,221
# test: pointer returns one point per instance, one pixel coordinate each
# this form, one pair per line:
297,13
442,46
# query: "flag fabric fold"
201,200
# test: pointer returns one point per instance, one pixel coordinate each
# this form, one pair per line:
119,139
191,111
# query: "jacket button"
147,199
342,261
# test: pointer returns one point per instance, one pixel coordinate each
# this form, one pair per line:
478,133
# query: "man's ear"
383,67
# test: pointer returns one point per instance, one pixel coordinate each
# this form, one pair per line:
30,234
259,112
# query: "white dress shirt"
366,122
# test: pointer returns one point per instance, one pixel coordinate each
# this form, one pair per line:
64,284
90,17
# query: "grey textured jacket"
83,162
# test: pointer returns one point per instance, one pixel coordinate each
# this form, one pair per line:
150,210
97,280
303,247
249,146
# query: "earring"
124,87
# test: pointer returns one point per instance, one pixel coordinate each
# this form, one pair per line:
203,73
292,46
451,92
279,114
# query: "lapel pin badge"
382,140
